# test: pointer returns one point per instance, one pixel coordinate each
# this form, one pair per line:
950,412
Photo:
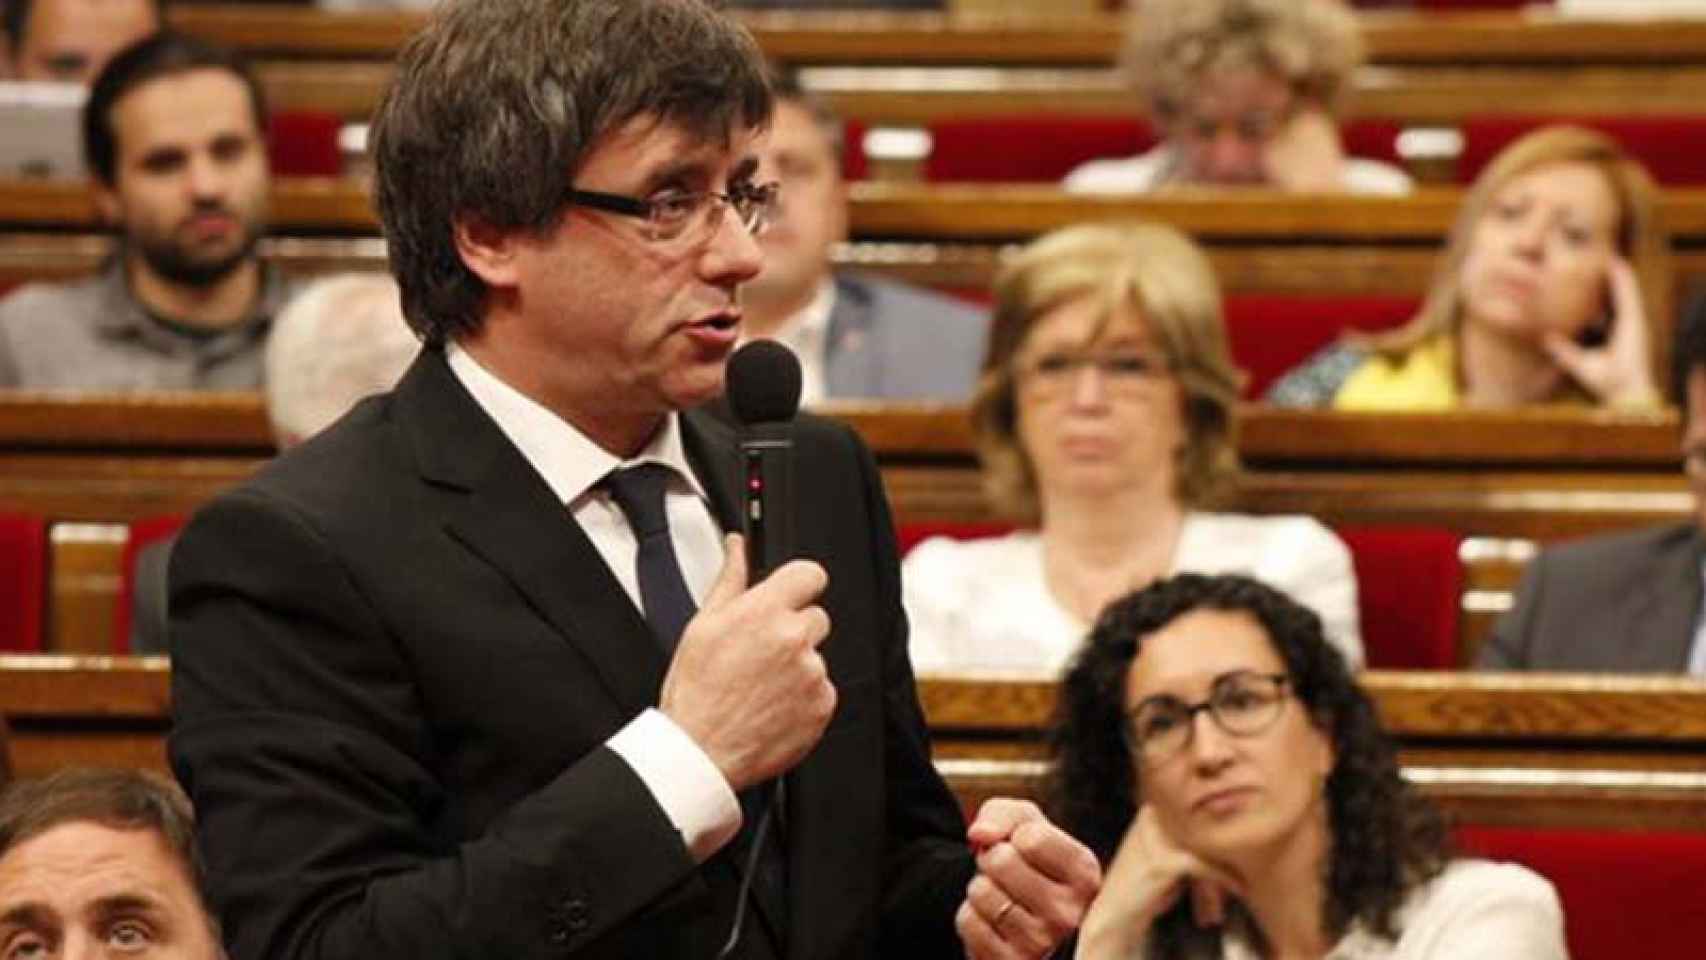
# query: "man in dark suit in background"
857,336
475,672
1626,602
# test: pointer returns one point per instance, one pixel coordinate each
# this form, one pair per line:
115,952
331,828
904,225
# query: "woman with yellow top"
1553,288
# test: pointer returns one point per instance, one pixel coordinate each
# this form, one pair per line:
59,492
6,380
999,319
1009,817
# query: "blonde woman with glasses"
1105,421
1218,757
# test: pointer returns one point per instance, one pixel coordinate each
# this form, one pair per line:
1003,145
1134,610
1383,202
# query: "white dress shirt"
807,334
687,785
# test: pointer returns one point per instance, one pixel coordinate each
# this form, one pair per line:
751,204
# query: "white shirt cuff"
683,780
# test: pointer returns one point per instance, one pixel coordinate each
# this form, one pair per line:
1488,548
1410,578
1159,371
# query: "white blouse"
1474,910
984,605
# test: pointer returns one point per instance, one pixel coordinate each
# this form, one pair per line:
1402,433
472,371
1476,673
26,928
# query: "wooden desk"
1526,37
1505,750
1493,749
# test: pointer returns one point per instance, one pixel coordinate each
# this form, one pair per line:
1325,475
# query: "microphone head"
764,383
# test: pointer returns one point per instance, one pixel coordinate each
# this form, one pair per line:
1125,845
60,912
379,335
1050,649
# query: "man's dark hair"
1688,352
120,799
164,54
15,18
496,103
786,82
1386,838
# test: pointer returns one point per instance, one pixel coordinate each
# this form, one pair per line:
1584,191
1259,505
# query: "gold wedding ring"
1001,915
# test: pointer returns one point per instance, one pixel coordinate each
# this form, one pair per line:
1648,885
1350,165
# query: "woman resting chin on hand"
1215,753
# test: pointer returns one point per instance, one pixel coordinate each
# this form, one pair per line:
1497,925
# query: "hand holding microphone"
747,683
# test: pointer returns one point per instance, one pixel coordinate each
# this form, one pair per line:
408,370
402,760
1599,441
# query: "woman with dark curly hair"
1216,754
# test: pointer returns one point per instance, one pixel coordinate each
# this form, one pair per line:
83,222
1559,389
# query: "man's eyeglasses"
1121,370
677,214
1243,703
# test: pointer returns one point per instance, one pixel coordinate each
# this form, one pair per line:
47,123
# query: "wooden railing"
896,38
1532,750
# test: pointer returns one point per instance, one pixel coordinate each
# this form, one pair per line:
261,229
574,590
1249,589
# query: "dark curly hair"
1386,838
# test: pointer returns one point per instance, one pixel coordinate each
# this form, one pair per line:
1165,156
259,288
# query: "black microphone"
764,392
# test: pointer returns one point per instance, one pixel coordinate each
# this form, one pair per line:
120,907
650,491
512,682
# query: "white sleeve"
1487,911
930,593
1320,576
687,785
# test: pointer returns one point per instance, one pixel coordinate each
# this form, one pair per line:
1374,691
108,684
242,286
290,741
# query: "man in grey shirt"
172,133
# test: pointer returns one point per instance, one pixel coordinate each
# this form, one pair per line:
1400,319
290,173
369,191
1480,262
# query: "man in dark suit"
440,687
857,336
1627,602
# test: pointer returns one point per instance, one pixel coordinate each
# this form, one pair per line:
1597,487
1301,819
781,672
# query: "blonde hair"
337,341
1171,45
1148,266
1641,237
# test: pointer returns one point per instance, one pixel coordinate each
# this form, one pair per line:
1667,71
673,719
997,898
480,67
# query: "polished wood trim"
941,212
1525,36
1585,709
140,422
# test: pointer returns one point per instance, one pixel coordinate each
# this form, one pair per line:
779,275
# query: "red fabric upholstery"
141,534
1372,139
304,143
1028,148
909,535
23,581
1270,334
1625,894
1668,146
1409,595
854,164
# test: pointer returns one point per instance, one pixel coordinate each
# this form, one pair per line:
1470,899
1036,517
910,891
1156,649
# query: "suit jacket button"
575,915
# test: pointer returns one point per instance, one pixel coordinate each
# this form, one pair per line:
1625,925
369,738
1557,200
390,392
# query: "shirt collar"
126,317
569,462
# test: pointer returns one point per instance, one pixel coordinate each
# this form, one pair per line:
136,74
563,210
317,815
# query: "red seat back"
304,143
1669,147
1028,148
23,581
1271,334
140,534
1409,595
1625,893
909,535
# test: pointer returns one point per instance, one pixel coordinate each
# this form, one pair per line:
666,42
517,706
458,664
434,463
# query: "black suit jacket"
1625,603
397,659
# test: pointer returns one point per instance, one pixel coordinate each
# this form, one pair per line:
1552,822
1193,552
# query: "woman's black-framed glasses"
672,215
1243,703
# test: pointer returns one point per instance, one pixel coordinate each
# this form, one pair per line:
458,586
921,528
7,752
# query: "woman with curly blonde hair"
1243,93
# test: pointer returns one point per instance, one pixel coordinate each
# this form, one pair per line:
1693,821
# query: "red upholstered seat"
1409,587
1669,147
1625,894
304,143
1028,148
23,581
140,534
1270,334
854,164
1409,595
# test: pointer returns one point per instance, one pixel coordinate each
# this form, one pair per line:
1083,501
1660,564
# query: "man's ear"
487,250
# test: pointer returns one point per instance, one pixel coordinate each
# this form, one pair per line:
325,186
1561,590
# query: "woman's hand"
1149,874
1620,372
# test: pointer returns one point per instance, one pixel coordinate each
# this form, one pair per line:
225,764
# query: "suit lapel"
1661,614
496,505
850,365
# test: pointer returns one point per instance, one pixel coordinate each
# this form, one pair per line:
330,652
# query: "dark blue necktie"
639,491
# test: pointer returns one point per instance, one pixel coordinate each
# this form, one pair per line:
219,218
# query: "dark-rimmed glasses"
1243,703
672,215
1120,370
